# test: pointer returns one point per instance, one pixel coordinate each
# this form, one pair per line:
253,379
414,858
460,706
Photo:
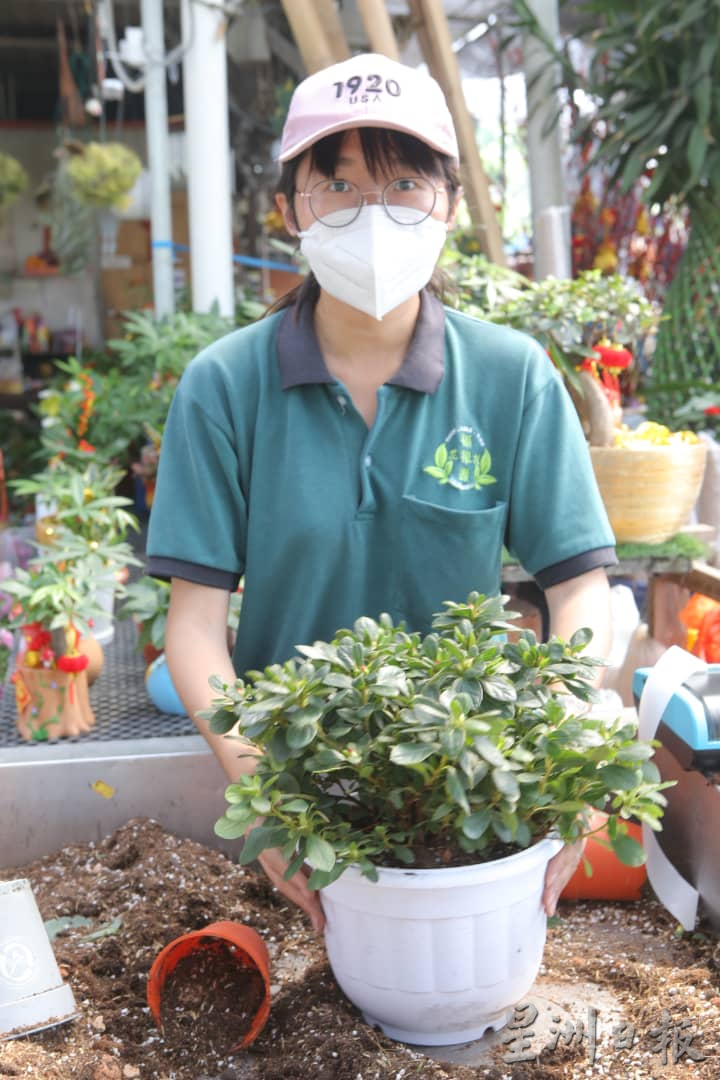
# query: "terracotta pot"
611,879
51,703
90,647
150,653
246,946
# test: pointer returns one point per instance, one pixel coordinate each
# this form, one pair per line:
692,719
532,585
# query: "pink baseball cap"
369,90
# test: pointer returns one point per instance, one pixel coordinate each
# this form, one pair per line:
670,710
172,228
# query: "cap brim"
347,125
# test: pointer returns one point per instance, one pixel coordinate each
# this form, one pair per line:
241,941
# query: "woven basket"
649,492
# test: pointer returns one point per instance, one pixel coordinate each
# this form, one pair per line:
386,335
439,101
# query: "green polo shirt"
268,470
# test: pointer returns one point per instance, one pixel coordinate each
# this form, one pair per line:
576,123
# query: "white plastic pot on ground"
436,957
32,993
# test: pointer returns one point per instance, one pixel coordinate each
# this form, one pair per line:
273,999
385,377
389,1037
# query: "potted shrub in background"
77,509
427,781
592,327
147,601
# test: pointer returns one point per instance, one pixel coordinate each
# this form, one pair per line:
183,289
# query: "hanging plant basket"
102,174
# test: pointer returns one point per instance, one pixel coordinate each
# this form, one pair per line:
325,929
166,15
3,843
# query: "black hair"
383,149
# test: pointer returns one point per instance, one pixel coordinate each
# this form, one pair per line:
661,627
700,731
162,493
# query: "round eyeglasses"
407,200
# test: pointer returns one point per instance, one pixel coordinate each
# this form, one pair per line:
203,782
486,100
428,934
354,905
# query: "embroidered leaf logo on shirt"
462,460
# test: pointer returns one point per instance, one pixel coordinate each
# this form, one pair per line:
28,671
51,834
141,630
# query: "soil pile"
122,900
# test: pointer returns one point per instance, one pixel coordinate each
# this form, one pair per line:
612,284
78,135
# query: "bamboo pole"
309,34
434,36
334,31
379,28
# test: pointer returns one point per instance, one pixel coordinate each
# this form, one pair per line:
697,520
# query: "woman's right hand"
296,889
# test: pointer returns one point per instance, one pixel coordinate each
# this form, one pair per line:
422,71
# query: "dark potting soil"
211,998
142,887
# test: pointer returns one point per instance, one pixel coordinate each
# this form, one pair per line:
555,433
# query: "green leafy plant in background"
147,601
132,383
653,75
83,501
55,593
73,224
567,316
114,424
384,747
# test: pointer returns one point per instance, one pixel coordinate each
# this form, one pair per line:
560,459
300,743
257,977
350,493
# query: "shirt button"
368,461
342,401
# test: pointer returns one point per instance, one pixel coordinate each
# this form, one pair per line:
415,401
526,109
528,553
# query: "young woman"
364,449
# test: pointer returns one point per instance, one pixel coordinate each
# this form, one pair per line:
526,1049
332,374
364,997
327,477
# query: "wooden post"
434,36
334,32
379,28
309,34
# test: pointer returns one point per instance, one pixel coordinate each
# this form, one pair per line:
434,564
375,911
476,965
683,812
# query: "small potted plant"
427,781
147,602
53,605
77,510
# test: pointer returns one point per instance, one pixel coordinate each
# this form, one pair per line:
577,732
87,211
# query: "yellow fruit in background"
649,434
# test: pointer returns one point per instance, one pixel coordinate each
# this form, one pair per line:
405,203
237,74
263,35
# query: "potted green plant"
146,602
78,512
592,327
427,781
53,606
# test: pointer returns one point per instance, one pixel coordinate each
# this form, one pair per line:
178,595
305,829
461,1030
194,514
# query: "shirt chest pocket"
443,554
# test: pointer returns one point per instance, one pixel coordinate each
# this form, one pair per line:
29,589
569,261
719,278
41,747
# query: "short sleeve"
198,520
556,515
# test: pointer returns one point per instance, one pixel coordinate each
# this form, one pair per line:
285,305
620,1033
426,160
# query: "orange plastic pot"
244,943
611,879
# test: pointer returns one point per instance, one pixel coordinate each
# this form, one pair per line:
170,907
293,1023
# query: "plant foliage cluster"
381,745
567,316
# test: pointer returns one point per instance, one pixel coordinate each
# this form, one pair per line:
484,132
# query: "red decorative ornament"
72,664
613,356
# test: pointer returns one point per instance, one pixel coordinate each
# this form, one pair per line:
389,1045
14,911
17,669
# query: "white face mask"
374,264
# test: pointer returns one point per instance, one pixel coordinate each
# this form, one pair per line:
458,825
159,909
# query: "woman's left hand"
559,871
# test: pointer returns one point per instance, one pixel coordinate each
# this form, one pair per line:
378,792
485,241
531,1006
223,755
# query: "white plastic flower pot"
435,957
32,993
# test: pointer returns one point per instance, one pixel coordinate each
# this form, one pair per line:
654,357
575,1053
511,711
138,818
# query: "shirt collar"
301,361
